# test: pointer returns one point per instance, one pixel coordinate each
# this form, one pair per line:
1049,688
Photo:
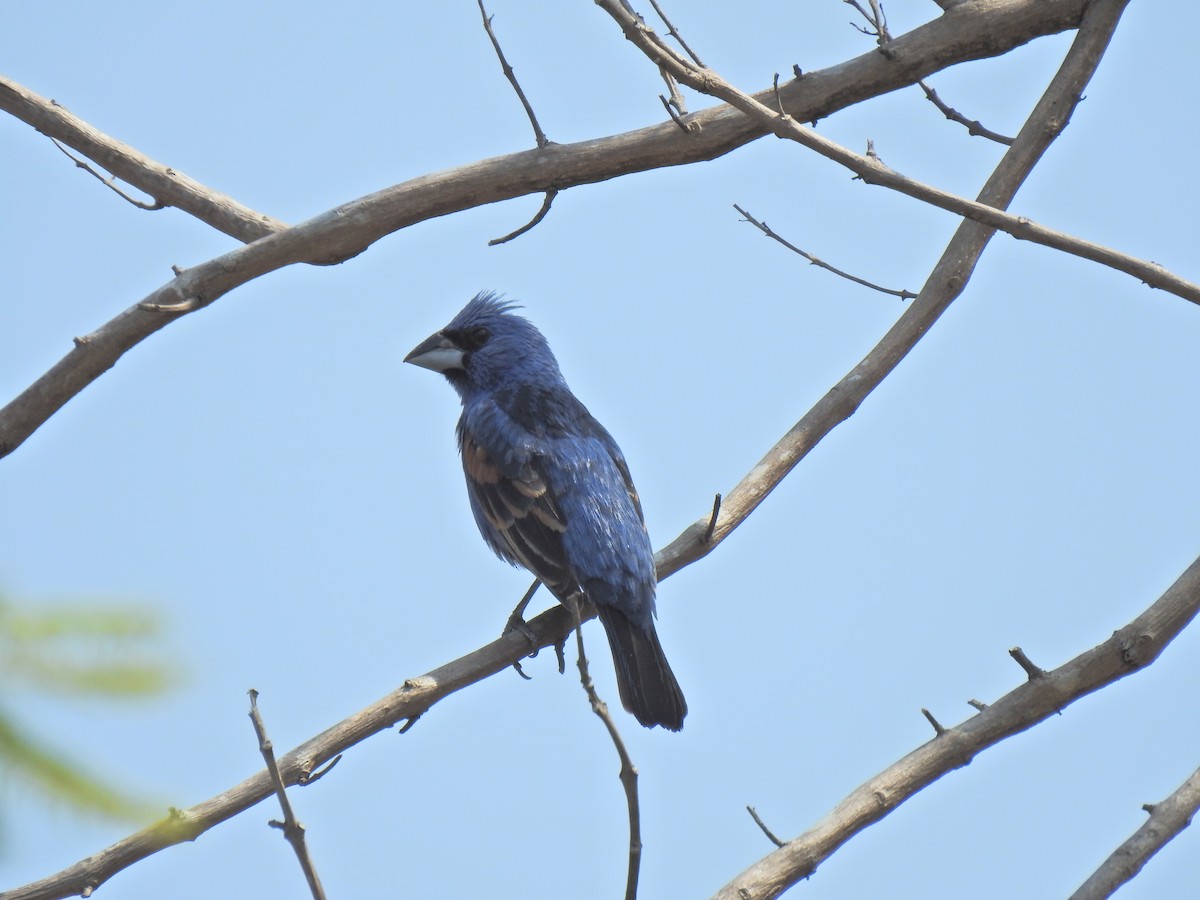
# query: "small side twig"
538,134
672,31
978,704
937,726
532,223
1031,669
628,774
109,182
668,105
712,521
816,261
292,829
763,826
878,26
879,30
974,127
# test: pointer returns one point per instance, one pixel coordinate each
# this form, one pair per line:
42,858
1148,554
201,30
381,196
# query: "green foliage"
81,652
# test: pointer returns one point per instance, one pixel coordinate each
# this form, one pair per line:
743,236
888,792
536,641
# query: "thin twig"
541,214
712,520
628,774
937,726
355,225
763,826
672,31
109,182
685,127
1020,709
816,261
166,185
1131,649
538,134
291,828
974,127
878,21
1167,819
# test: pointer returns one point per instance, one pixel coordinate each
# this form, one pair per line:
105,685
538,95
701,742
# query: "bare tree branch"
1130,649
349,229
763,826
532,223
672,31
290,826
109,182
167,186
817,261
1167,820
974,127
628,774
946,41
538,134
873,171
548,629
878,21
947,280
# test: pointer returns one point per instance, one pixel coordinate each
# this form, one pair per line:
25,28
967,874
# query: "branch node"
978,704
685,127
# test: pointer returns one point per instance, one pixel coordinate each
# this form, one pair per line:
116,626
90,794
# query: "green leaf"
41,768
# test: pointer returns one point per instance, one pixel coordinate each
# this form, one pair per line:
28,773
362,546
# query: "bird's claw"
516,623
560,650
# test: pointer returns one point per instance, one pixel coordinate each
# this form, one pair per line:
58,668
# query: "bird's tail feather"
644,679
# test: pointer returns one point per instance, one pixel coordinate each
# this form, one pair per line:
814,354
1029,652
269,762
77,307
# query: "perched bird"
550,490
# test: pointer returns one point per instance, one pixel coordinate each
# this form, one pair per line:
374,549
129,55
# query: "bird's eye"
477,337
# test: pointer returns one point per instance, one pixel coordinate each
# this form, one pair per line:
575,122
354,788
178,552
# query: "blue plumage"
551,492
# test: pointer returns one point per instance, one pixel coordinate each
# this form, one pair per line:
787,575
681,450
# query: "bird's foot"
517,623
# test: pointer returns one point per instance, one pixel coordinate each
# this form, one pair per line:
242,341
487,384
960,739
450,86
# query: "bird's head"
487,346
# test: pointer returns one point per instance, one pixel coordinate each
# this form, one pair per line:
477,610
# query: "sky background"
268,477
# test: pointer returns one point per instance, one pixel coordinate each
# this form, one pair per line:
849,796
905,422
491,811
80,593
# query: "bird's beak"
436,352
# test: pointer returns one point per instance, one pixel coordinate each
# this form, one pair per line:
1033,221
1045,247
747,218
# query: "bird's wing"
517,514
617,457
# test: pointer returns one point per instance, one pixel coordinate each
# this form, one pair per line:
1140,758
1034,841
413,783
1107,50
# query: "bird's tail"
646,683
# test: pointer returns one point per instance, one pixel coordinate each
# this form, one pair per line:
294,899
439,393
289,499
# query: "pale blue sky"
269,476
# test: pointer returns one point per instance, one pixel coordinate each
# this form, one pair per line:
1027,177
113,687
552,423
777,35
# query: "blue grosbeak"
550,490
